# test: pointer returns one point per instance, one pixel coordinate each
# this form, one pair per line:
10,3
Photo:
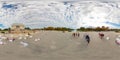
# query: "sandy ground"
55,45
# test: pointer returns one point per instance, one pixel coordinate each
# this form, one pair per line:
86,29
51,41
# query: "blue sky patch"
9,6
113,24
1,26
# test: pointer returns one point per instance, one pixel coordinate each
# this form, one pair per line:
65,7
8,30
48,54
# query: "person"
101,35
78,34
13,39
87,38
73,34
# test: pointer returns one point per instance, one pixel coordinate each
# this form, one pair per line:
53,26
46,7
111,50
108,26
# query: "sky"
58,0
60,13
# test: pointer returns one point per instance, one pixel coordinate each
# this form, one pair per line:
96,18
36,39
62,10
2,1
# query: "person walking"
87,38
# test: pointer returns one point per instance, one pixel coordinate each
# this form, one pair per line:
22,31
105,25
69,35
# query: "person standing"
101,35
73,34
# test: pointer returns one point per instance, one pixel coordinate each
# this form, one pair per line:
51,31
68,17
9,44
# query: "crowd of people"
87,37
101,36
11,38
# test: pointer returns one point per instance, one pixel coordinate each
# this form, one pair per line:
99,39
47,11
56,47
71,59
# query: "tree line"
57,28
103,28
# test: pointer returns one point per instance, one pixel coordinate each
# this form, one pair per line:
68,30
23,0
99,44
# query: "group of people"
87,37
75,34
11,38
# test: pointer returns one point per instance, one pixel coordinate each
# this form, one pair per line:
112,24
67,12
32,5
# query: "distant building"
17,28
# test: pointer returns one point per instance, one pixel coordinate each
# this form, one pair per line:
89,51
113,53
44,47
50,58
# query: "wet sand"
56,45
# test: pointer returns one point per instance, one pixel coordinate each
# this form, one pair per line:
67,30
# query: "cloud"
70,14
63,0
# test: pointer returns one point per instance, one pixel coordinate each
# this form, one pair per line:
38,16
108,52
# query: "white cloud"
62,0
54,13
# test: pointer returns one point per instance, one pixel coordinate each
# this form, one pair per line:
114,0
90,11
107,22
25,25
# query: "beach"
58,45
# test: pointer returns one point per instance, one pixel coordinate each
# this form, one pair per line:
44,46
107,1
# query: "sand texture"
54,45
